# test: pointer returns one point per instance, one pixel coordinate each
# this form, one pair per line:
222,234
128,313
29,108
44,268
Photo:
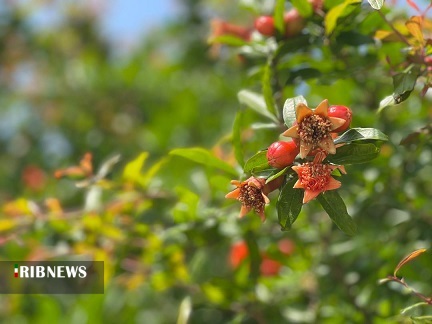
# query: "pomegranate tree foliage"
127,158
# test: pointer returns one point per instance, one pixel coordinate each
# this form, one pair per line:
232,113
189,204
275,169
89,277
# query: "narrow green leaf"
256,102
361,134
257,162
267,88
304,7
204,157
277,174
376,4
185,310
335,207
337,12
354,153
237,144
230,40
289,109
278,16
289,204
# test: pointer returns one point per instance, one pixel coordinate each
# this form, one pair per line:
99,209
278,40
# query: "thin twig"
402,37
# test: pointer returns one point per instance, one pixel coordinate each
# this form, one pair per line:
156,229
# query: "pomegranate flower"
251,194
315,178
313,128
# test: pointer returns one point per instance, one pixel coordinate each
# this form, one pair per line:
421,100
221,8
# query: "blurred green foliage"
160,221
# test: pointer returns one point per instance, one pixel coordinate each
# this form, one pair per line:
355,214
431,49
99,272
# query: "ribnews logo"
51,277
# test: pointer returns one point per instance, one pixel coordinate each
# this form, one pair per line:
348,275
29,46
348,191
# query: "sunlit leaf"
354,153
289,109
230,40
185,310
361,134
204,157
132,171
289,204
278,16
386,102
376,4
407,259
304,7
256,102
414,26
387,36
337,12
335,207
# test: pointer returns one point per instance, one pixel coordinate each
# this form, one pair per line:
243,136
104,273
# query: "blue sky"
127,20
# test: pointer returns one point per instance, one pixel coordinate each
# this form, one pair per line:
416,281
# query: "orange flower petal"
233,194
333,184
309,195
336,122
244,210
305,149
236,183
291,132
302,111
322,108
298,185
328,145
262,216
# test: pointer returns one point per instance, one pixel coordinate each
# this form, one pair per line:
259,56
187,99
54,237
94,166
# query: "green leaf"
289,109
237,144
289,204
361,134
132,170
354,153
376,4
303,74
277,174
278,16
304,7
335,207
229,40
256,102
267,88
337,12
204,157
185,310
257,162
404,82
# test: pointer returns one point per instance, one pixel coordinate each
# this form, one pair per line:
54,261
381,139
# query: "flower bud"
265,25
294,23
341,112
281,154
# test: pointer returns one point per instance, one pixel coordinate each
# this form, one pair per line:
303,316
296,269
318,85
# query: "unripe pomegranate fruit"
341,112
294,23
265,25
281,154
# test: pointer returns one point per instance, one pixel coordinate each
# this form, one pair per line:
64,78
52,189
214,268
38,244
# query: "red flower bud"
294,23
281,154
341,112
265,25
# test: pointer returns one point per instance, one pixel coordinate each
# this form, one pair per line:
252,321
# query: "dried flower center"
314,176
251,197
313,129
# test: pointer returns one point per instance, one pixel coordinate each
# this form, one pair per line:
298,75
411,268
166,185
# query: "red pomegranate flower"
251,194
315,178
313,128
